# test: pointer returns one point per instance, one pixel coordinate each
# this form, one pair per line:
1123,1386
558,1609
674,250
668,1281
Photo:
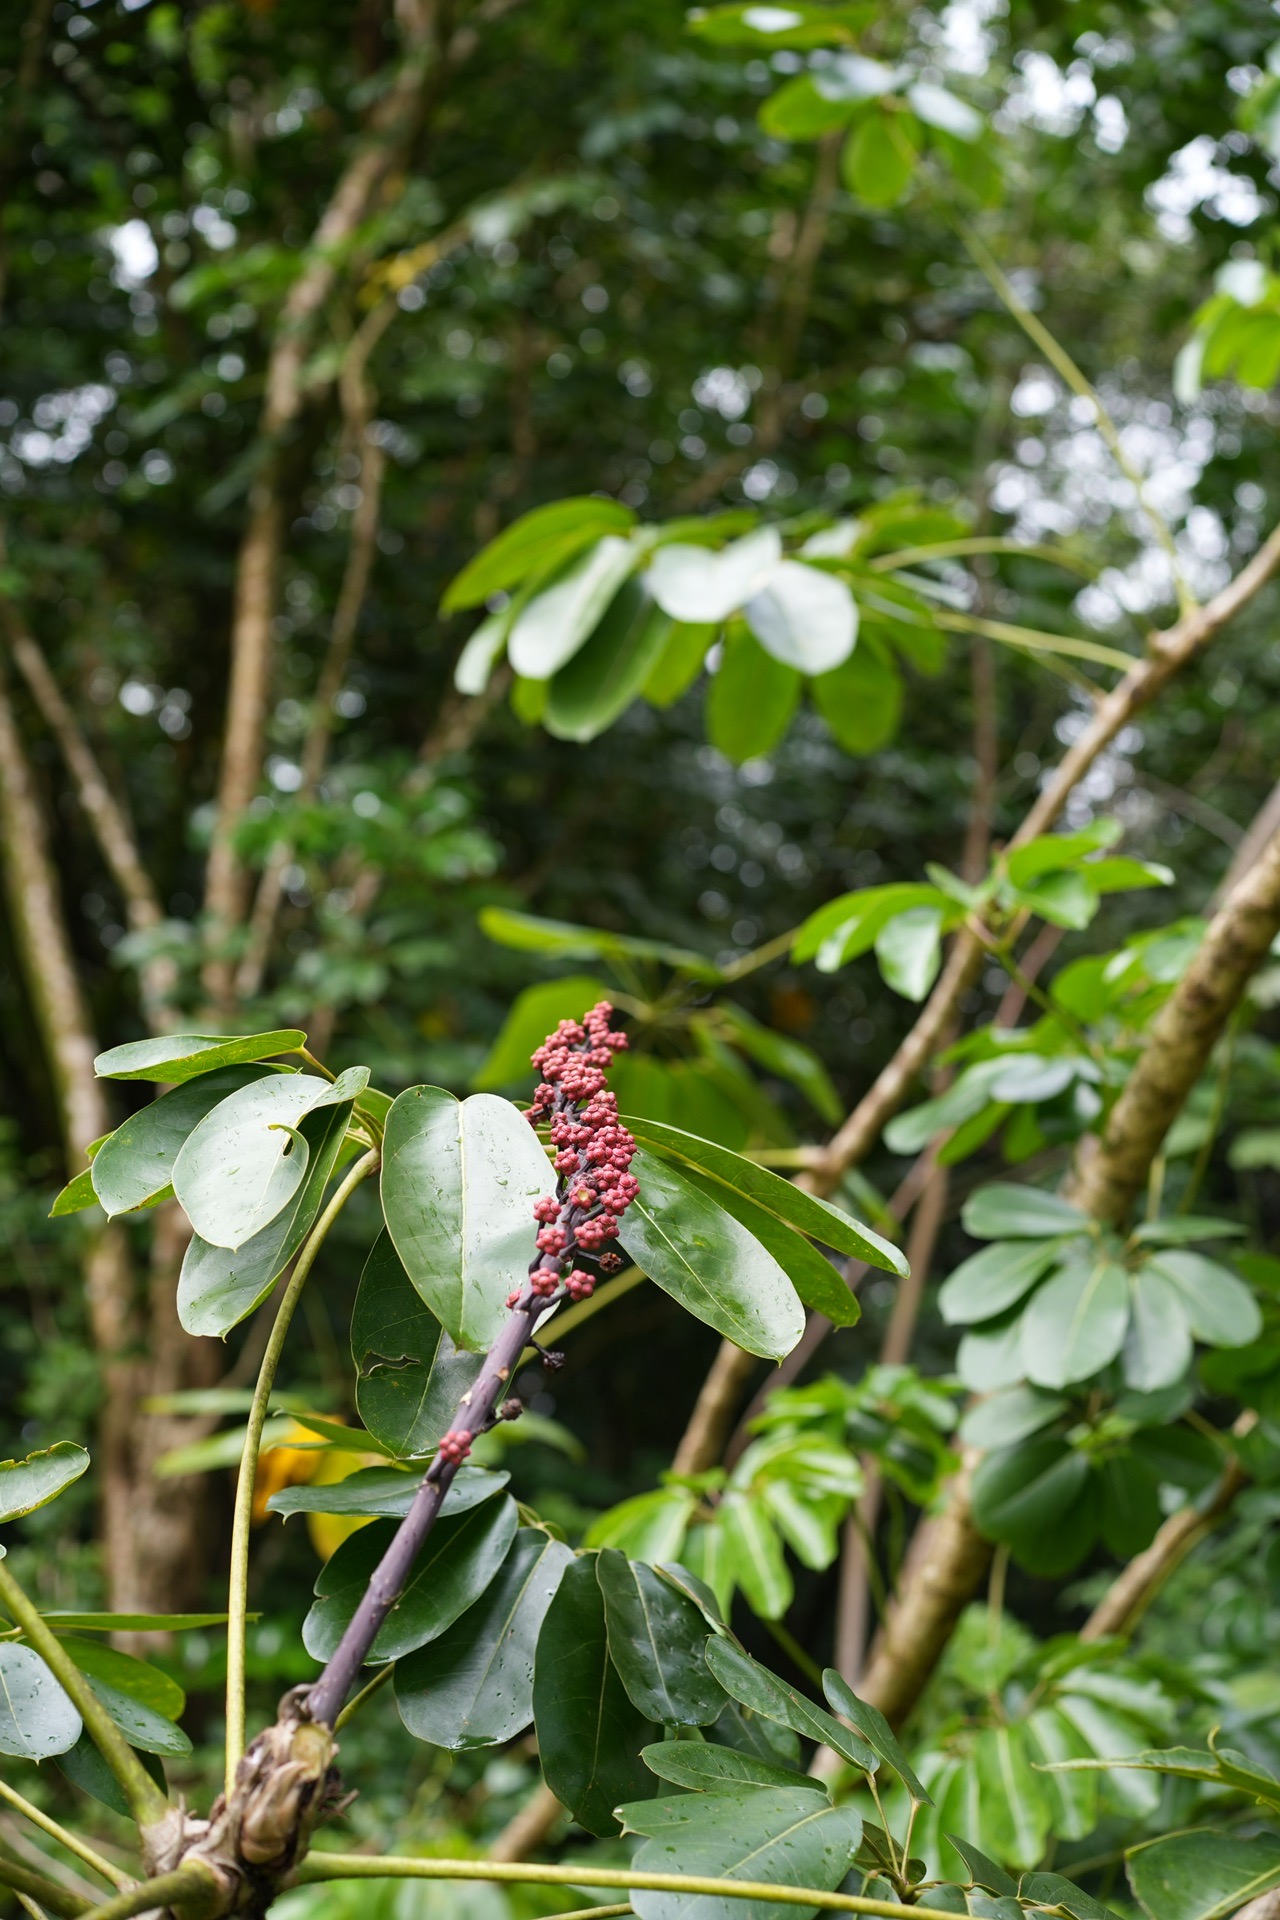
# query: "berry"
455,1446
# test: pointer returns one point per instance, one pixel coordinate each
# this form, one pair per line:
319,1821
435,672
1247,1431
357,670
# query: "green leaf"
1076,1322
609,671
41,1477
939,108
1003,1211
990,1357
909,951
861,701
1072,1797
461,1556
534,1014
704,1768
699,1254
800,24
821,1286
879,159
996,1277
781,1835
137,1679
478,658
751,700
544,538
1064,899
1013,1414
819,1219
37,1719
680,662
459,1179
247,1159
875,1730
589,1733
86,1769
652,1526
656,1640
473,1686
132,1622
409,1375
1024,1494
753,1554
551,627
1178,1229
850,925
1059,852
693,583
387,1493
1015,1806
528,933
181,1056
804,617
797,111
135,1164
1202,1876
1128,1505
1158,1346
1220,1308
787,1058
75,1196
217,1287
754,1687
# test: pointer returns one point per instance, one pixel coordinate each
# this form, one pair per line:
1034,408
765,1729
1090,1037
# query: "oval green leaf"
41,1477
181,1056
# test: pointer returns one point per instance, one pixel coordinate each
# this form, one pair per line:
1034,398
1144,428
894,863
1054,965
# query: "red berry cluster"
595,1185
455,1446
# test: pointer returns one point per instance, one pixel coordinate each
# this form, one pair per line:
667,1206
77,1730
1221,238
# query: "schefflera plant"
481,1618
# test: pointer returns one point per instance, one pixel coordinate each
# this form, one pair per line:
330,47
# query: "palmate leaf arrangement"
468,1607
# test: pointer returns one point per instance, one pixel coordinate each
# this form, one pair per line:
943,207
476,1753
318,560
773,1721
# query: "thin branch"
81,1848
1061,361
147,1803
529,1826
47,1894
238,1588
359,1866
184,1886
107,816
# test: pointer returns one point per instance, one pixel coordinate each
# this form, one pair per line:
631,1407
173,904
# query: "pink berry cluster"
595,1186
455,1446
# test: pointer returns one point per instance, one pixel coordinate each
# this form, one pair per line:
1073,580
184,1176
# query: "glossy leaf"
86,1769
1001,1211
754,1687
861,701
543,538
37,1719
871,1724
753,1554
137,1679
850,925
459,1179
995,1278
1158,1345
181,1056
135,1164
1013,1414
529,933
679,663
697,585
782,1835
804,617
551,627
246,1160
461,1556
608,672
481,654
778,1054
1076,1322
1203,1876
821,1286
75,1196
534,1013
409,1375
656,1641
41,1477
386,1493
589,1733
218,1287
1015,1805
697,1252
909,951
808,1214
651,1526
473,1685
1024,1495
750,700
705,1768
1072,1797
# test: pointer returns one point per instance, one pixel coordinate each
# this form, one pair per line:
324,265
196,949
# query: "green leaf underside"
218,1288
136,1162
608,672
41,1477
549,533
409,1375
820,1219
459,1179
783,1835
37,1719
699,1254
1202,1876
247,1159
461,1556
473,1685
589,1733
175,1057
656,1639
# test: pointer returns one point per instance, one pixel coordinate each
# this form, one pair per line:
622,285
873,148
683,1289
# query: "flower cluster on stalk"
594,1185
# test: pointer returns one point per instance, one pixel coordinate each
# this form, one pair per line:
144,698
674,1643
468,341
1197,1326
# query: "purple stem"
476,1411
